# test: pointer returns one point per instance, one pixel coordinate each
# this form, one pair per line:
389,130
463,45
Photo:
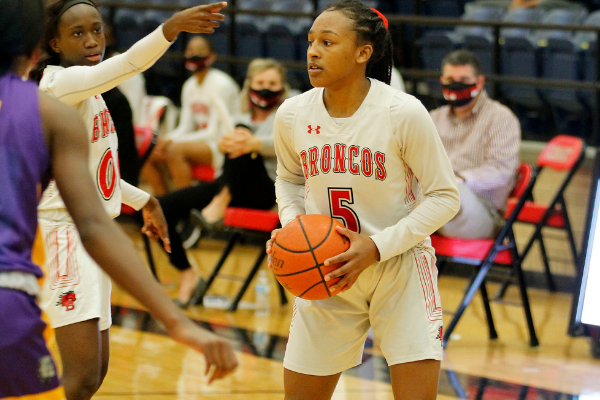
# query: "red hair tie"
385,21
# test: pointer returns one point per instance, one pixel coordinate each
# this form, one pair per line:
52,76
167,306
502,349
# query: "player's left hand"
362,253
155,224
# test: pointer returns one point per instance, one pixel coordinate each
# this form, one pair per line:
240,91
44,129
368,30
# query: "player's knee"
84,385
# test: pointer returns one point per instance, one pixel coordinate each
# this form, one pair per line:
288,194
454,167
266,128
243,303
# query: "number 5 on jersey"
339,201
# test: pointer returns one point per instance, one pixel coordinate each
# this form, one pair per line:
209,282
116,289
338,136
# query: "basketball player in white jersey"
76,294
368,155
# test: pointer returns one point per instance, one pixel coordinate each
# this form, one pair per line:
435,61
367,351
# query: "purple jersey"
24,172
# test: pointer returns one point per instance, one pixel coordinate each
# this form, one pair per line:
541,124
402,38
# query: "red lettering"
304,165
380,172
340,158
326,159
352,166
111,124
105,129
106,177
367,162
96,130
313,154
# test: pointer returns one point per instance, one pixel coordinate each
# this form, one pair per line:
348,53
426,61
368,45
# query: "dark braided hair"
49,56
20,30
369,28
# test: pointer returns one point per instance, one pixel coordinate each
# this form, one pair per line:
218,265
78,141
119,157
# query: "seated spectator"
482,139
248,178
201,124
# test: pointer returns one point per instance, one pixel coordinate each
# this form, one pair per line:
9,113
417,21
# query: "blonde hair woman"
248,178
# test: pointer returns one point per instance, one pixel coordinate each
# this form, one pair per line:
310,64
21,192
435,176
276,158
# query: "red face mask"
265,98
196,63
459,94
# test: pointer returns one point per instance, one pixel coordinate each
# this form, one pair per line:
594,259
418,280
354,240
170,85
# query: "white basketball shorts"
399,298
75,288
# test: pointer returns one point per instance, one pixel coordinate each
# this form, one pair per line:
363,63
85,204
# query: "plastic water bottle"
261,294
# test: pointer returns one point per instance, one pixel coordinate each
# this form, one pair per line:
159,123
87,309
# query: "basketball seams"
309,245
310,288
312,252
300,272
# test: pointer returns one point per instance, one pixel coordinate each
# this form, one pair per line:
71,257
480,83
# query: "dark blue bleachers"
434,46
128,25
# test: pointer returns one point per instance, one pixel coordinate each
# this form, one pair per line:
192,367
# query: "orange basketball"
299,251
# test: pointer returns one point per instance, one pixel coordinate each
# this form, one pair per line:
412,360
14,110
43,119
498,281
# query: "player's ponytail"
21,27
370,27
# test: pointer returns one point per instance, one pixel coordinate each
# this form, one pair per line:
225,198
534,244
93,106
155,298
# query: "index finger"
214,6
345,256
163,232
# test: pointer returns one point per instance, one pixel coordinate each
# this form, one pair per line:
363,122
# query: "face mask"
459,94
264,98
196,63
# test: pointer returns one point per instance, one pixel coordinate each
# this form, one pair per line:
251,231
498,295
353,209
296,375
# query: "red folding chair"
145,140
562,154
240,222
483,254
203,173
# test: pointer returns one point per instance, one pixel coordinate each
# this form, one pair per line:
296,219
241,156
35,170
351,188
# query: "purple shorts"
26,366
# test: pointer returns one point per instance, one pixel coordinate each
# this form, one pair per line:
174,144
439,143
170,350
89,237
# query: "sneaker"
190,235
198,219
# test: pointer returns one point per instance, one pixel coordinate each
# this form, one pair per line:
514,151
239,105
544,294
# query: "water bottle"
261,294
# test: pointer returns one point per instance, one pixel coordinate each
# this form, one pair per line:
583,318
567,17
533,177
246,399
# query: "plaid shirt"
483,147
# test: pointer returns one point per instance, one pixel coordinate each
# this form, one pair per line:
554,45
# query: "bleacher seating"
586,45
128,25
552,54
435,45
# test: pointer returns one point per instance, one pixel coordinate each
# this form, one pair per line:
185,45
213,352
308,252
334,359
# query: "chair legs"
468,297
149,256
488,311
547,272
478,283
203,286
533,340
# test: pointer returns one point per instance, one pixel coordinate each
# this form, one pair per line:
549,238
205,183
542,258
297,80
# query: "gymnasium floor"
147,365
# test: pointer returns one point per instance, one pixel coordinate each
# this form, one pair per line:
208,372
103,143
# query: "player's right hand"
270,244
270,248
199,19
218,352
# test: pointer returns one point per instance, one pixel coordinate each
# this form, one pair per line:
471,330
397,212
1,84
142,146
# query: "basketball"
299,251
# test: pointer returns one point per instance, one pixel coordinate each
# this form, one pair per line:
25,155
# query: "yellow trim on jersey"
54,394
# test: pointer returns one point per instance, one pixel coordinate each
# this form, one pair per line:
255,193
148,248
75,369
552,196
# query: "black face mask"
459,94
196,63
264,98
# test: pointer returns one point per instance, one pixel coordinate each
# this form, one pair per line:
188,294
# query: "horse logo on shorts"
67,300
440,335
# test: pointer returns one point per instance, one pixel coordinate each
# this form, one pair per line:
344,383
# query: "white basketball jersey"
103,152
383,172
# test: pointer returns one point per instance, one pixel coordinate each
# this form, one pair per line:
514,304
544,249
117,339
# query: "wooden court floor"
147,365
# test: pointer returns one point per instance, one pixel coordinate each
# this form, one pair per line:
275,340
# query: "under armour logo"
311,129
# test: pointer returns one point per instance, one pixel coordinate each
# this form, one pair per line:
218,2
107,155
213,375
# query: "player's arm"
155,223
290,181
422,150
107,244
78,83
